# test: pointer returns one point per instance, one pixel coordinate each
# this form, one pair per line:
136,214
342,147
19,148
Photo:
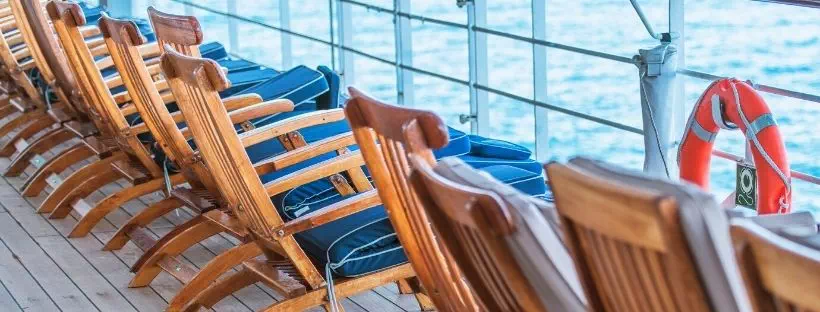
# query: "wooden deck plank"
7,301
52,279
84,275
27,293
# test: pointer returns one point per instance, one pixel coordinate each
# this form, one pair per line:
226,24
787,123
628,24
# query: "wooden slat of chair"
223,152
627,244
780,275
378,131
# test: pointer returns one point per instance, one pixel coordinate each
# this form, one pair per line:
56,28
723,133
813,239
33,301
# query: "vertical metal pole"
404,52
233,29
479,107
331,19
539,79
344,11
284,22
676,25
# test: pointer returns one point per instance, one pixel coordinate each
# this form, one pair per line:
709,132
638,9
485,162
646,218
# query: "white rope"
784,206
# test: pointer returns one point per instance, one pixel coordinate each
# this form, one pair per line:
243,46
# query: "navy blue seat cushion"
365,242
299,84
213,50
481,146
459,144
245,79
332,98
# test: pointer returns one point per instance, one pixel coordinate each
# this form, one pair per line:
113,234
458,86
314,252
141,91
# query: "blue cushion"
481,146
300,85
365,242
242,79
479,162
459,145
332,98
213,50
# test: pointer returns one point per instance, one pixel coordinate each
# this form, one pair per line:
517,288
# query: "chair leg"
82,191
413,286
70,184
141,219
343,289
194,232
111,202
50,140
210,272
19,121
223,288
29,130
36,183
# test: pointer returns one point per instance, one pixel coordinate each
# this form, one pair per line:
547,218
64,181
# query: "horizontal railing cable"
608,56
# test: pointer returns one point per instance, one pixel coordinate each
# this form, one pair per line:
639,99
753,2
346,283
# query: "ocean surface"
768,43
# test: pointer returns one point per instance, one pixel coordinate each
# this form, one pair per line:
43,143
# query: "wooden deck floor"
43,270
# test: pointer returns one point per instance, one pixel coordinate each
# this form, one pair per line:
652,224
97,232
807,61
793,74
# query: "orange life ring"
731,104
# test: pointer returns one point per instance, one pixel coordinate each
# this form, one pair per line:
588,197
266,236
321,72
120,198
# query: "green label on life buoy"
746,186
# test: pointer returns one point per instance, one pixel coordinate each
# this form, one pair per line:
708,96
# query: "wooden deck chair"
133,161
87,124
201,195
645,244
780,274
378,130
35,35
286,267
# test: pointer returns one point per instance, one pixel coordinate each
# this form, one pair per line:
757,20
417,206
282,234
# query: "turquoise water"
773,44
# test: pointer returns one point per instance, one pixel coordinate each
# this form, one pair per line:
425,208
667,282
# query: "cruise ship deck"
41,269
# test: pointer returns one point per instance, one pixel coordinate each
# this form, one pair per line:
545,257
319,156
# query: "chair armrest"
330,213
141,128
343,162
294,123
242,100
260,110
303,153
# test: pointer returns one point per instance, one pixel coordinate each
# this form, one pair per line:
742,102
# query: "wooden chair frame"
132,161
387,135
780,275
286,268
87,123
123,39
628,246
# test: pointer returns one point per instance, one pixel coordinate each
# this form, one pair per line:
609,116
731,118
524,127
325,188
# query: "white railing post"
344,12
404,52
676,22
233,28
479,107
284,22
539,79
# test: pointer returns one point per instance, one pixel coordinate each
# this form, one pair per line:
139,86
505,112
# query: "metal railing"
340,45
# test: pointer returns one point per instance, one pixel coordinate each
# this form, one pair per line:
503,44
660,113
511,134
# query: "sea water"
767,43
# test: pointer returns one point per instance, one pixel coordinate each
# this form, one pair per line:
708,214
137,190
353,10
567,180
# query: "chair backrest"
181,32
780,274
123,39
67,18
627,243
475,224
16,61
196,82
378,128
53,62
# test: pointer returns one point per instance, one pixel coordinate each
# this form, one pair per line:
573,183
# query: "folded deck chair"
378,129
643,243
781,273
519,238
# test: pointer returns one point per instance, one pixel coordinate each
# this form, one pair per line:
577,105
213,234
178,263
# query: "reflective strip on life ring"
759,127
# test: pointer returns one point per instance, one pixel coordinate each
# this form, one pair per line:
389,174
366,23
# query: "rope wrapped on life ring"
733,104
